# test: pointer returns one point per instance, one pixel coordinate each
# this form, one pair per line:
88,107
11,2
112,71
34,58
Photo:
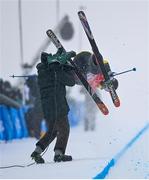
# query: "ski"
98,56
85,83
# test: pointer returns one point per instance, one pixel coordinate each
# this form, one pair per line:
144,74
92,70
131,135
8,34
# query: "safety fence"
12,123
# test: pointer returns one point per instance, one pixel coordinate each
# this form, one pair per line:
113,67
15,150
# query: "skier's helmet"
82,61
94,68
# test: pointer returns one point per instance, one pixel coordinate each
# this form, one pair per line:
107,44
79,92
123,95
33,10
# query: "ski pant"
60,130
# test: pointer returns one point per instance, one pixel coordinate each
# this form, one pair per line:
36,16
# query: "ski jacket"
90,69
52,81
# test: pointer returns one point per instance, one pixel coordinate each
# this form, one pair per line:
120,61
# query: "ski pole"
116,74
24,76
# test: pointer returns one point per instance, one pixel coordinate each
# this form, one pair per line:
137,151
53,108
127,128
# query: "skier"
86,62
54,73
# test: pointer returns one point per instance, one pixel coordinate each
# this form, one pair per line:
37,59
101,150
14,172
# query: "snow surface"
91,152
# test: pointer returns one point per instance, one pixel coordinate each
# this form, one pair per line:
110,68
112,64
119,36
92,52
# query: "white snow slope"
91,155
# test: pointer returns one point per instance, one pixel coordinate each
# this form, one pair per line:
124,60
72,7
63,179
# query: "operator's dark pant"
57,129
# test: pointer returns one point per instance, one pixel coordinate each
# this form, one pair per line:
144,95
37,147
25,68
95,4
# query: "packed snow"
91,151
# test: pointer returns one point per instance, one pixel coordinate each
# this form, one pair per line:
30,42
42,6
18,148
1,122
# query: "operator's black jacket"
52,80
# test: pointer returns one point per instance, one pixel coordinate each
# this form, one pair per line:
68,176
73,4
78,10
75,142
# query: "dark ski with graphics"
99,58
85,83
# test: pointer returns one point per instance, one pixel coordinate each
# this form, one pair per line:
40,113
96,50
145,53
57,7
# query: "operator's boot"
62,158
36,155
37,158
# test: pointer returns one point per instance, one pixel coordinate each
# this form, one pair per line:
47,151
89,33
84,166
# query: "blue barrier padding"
76,113
18,130
12,123
21,112
73,121
114,160
2,128
8,124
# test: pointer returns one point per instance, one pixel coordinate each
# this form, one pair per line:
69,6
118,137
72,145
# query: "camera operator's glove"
61,57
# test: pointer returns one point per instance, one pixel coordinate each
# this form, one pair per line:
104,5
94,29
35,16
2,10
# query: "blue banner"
2,128
18,132
12,123
21,114
8,124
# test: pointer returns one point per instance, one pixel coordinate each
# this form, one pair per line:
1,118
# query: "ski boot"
110,73
37,158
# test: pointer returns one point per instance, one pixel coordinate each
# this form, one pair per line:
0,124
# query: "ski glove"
61,57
